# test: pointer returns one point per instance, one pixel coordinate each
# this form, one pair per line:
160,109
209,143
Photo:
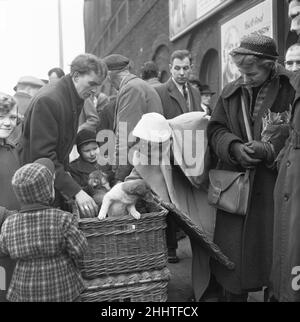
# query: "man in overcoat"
265,88
52,123
177,95
135,97
285,280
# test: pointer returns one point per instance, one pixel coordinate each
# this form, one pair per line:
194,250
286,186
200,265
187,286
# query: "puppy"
98,185
122,198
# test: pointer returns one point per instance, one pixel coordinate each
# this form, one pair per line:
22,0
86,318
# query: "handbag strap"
248,130
247,125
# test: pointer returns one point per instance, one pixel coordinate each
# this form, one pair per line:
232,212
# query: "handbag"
230,190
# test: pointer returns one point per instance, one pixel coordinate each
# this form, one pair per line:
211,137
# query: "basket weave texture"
123,245
148,286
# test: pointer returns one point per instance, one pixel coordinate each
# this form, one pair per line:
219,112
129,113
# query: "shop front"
211,29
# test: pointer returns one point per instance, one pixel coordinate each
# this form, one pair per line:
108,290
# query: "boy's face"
89,152
8,122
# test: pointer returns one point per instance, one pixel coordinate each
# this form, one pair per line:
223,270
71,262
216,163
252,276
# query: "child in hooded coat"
45,241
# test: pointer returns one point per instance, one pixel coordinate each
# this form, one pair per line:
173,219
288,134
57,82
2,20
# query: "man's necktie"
186,96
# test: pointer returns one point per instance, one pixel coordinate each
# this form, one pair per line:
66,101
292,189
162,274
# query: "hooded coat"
44,241
183,184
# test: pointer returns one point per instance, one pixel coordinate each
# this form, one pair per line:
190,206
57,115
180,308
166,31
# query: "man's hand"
86,204
243,155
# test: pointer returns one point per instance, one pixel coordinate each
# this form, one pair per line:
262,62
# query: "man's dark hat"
194,80
205,89
85,136
257,45
116,62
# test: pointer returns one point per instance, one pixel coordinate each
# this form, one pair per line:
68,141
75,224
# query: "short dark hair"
86,63
58,71
181,54
149,70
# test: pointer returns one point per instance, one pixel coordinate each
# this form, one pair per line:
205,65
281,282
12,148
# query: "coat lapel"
177,96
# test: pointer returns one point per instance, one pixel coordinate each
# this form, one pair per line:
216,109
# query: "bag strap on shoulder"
248,130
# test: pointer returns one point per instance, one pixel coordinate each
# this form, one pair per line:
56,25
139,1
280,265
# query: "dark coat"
80,171
286,253
247,241
173,101
50,130
9,164
106,115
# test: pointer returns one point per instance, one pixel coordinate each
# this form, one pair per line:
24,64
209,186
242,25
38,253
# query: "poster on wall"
258,19
185,14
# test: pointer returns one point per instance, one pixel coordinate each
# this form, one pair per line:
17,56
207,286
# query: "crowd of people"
54,135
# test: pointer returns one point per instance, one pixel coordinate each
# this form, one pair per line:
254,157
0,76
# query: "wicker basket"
121,245
148,286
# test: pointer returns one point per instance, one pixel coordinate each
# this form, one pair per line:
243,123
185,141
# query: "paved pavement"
180,285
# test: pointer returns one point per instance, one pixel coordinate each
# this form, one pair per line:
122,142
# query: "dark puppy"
98,185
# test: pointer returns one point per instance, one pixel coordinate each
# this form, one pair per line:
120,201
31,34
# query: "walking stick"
195,233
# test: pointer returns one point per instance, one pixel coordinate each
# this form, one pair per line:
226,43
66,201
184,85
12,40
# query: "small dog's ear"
137,187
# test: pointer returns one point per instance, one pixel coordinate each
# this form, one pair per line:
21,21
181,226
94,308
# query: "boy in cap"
45,241
88,150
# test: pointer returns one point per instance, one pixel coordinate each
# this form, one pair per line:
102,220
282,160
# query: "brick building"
144,30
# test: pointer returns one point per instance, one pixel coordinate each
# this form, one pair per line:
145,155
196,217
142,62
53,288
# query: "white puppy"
123,197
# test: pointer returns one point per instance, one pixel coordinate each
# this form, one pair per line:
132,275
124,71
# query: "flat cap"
116,62
30,80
